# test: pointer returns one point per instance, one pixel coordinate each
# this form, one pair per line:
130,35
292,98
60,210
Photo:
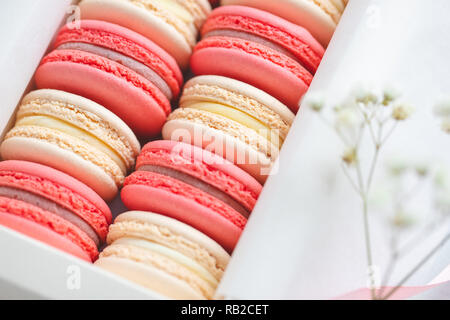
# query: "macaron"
258,48
52,207
74,135
172,24
194,186
232,119
320,17
164,255
117,68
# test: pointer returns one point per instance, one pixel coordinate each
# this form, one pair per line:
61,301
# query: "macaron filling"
50,206
126,61
67,128
199,184
241,117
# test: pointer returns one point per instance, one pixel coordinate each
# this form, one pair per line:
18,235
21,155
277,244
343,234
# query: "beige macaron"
233,119
74,135
164,255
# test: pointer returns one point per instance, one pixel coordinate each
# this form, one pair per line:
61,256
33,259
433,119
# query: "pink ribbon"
402,293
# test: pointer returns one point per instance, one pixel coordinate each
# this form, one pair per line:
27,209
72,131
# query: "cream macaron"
74,135
233,119
319,17
172,24
164,255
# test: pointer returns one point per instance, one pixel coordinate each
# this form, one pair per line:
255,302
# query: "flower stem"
373,167
418,266
368,245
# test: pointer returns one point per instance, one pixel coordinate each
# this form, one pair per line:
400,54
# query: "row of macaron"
107,62
152,250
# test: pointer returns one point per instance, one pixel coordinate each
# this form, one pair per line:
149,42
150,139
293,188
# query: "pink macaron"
194,186
117,68
53,207
260,49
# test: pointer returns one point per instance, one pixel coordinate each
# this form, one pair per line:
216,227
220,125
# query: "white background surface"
305,237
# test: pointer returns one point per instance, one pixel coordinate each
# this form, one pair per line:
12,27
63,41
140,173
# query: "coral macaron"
172,24
117,68
253,46
194,186
74,135
164,255
320,17
52,207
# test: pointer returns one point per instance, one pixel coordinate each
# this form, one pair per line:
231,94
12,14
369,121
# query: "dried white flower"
390,94
315,101
403,220
348,118
402,112
397,167
350,156
442,179
365,96
446,125
442,108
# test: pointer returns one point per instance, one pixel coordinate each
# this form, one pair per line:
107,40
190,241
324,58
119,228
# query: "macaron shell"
129,15
173,234
149,277
52,222
141,105
127,42
253,63
305,13
293,38
49,154
43,234
188,205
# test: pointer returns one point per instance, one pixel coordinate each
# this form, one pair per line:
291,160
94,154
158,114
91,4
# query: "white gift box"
304,239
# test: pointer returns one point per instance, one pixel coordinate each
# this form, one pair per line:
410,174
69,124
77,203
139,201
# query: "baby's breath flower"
422,170
402,112
397,167
350,157
446,125
366,97
403,220
315,101
390,94
347,118
442,109
441,179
